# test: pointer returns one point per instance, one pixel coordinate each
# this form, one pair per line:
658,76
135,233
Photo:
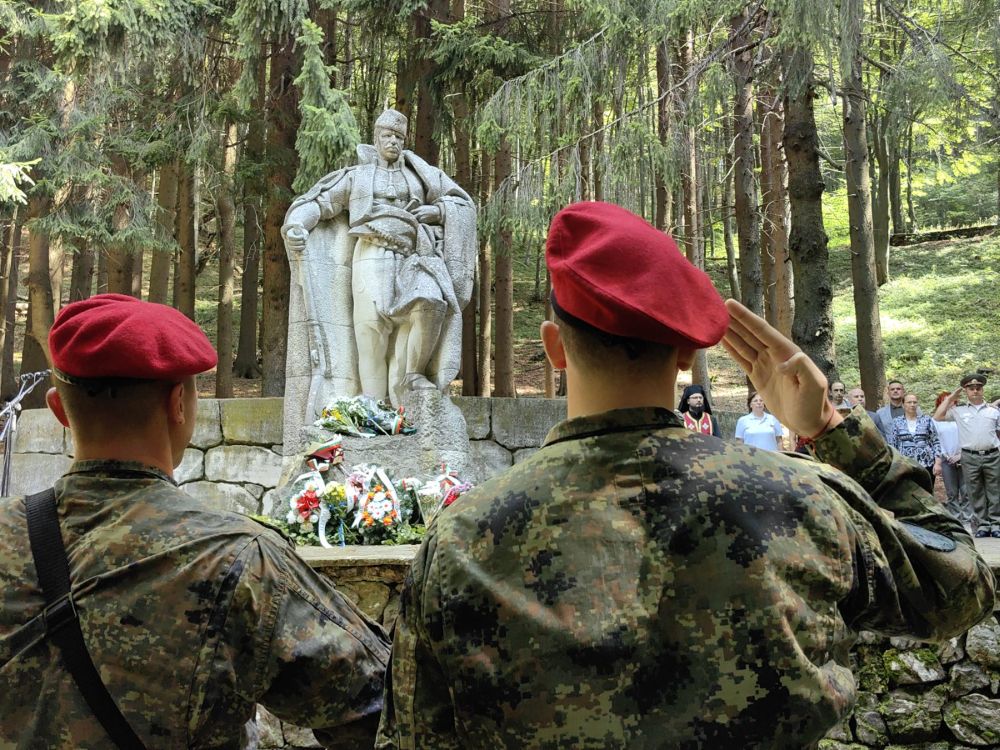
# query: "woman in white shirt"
759,428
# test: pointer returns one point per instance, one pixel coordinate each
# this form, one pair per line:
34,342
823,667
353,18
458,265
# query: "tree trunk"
8,303
812,326
504,358
776,207
162,260
880,202
768,259
693,246
664,204
732,269
484,344
57,259
859,207
911,215
82,276
283,121
225,208
895,188
40,304
744,186
185,267
246,354
102,272
597,185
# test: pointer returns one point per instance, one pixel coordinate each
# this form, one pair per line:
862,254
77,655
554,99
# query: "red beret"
114,336
618,273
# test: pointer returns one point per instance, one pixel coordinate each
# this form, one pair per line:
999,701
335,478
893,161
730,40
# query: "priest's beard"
696,411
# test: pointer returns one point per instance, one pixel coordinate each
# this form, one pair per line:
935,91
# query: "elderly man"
410,242
634,584
132,615
979,437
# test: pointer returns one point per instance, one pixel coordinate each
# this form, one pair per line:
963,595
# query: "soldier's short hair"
111,406
593,346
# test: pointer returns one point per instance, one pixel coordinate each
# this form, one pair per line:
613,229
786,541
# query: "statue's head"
390,134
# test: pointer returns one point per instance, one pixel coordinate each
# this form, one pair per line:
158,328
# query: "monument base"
441,439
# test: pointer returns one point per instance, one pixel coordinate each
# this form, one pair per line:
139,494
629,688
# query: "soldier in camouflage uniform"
191,615
634,584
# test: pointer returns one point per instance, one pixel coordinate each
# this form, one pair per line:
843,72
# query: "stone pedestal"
441,438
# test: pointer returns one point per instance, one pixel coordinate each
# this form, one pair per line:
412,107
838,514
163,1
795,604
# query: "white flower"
313,518
292,517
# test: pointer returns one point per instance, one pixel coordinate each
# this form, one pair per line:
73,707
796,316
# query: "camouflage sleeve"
324,662
916,569
418,711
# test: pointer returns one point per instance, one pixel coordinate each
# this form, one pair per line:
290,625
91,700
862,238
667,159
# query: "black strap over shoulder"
61,621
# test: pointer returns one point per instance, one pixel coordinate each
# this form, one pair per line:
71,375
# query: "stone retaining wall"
234,459
235,456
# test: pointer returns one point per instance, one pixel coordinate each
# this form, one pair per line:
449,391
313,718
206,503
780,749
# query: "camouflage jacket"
190,615
635,584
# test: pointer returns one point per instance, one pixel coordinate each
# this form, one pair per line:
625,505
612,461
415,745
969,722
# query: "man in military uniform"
636,584
978,425
190,615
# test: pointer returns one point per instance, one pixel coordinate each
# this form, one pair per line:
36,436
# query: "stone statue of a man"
392,243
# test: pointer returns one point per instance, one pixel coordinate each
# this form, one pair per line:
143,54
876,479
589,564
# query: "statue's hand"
295,237
428,214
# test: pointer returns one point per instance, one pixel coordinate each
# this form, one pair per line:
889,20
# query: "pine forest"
152,148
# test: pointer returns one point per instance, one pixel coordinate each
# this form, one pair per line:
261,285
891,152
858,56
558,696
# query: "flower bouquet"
365,417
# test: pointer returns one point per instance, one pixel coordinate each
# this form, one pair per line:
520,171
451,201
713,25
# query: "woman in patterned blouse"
914,436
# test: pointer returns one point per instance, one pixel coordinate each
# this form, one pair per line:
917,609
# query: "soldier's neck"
598,393
127,448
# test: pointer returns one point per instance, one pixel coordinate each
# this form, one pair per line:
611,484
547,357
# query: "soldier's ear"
54,401
177,404
553,344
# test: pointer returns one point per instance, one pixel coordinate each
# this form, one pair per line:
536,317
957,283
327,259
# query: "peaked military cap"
618,273
112,336
973,379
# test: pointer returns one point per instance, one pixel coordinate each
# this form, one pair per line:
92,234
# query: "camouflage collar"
118,469
616,420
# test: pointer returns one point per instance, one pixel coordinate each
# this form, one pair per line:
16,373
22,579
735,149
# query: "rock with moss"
967,677
974,719
913,667
914,715
982,644
869,726
841,731
871,671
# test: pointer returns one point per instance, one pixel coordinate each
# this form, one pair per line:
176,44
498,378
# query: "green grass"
940,315
940,311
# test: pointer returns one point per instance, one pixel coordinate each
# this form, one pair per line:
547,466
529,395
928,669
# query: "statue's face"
389,144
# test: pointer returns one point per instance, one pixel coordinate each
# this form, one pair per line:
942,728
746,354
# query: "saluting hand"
790,383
